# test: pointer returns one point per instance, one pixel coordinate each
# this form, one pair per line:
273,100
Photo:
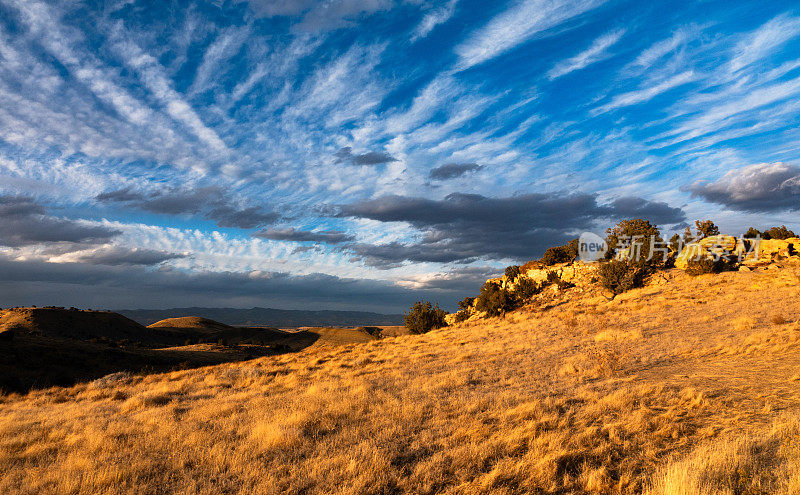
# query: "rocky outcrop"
748,252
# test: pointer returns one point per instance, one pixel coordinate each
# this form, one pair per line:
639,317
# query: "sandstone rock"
723,246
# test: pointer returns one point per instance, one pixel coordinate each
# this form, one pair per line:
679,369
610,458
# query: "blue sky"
362,154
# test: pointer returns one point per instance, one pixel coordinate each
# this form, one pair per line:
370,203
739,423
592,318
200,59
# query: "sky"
363,154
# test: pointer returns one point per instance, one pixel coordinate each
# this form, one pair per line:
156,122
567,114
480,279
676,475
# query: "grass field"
689,385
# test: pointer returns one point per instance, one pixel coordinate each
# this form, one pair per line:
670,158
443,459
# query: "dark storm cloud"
464,227
370,158
453,170
761,188
464,280
24,222
119,256
247,218
119,195
291,234
657,212
211,202
103,286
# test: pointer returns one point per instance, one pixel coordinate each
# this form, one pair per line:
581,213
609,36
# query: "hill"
72,324
267,317
686,385
196,323
42,347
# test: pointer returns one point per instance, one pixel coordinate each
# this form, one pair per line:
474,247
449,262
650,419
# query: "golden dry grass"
588,396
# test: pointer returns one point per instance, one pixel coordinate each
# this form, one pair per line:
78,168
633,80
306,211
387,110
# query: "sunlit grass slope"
683,386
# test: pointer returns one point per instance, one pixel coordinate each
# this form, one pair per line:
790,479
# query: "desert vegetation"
424,317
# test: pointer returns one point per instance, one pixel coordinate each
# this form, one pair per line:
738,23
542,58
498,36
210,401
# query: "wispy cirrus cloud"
517,25
436,16
646,94
596,52
765,40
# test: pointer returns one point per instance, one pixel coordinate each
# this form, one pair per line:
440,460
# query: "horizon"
360,156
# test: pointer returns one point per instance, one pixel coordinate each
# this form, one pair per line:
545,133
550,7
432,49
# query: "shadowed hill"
41,347
267,317
72,324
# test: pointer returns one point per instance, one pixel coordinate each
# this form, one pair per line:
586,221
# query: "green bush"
619,276
424,317
561,254
706,228
495,300
644,232
526,288
781,233
466,303
512,272
695,267
752,233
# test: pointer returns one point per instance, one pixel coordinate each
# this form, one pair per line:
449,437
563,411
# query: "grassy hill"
72,324
688,385
267,317
43,347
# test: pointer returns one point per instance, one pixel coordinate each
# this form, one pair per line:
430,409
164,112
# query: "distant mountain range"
267,317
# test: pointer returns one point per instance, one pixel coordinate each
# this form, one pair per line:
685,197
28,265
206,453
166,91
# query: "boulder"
715,246
577,273
772,250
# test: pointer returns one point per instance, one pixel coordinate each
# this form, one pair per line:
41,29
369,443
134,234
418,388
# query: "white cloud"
220,51
764,41
664,47
152,74
318,16
711,119
433,19
595,53
517,25
646,94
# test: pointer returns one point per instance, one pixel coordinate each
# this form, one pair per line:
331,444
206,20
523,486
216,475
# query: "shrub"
645,234
619,276
561,254
495,300
466,303
526,288
512,272
781,233
706,228
461,315
688,237
424,317
752,233
695,267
